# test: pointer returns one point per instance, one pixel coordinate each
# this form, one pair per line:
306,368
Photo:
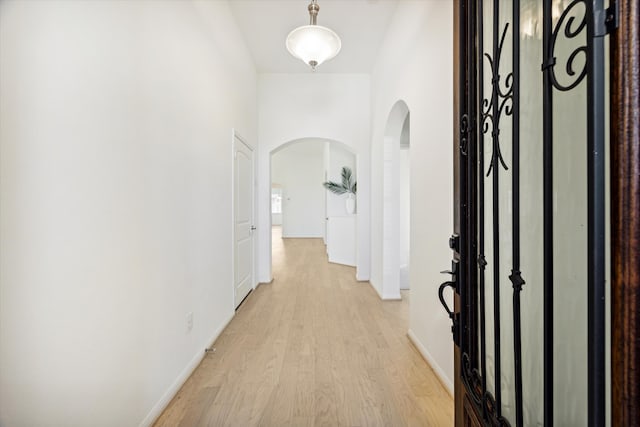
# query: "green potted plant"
348,186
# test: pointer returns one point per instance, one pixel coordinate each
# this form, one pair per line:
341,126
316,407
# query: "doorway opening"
301,207
396,217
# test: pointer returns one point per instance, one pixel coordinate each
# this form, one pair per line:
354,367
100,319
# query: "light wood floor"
313,348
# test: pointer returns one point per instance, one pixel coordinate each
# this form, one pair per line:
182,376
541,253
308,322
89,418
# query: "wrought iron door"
529,250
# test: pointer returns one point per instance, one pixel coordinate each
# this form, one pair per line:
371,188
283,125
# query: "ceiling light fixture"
313,43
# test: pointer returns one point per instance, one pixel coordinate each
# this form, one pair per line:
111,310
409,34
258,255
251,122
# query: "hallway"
315,347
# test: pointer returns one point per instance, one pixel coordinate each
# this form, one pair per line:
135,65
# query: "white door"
243,220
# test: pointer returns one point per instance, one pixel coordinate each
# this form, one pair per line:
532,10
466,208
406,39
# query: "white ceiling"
361,24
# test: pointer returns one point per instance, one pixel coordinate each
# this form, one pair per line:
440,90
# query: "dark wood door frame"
625,208
464,213
625,216
457,99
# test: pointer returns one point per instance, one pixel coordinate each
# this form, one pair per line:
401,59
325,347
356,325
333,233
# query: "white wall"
405,216
404,198
115,186
276,218
299,169
339,156
415,65
328,106
341,226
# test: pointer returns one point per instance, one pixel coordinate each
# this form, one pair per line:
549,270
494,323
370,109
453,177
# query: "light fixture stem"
313,12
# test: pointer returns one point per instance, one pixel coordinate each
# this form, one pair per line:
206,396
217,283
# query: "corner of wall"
375,288
182,378
362,277
446,382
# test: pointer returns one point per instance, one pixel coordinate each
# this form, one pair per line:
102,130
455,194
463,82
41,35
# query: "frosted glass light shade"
313,44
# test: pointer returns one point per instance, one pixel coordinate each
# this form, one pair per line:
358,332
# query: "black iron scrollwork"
472,380
491,409
572,29
464,133
517,280
482,261
571,56
500,102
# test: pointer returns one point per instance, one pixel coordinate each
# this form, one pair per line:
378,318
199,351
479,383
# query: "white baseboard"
164,401
267,279
446,382
264,283
386,297
347,262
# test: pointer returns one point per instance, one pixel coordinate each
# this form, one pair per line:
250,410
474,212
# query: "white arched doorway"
297,170
396,202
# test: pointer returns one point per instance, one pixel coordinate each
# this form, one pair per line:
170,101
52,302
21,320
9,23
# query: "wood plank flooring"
313,348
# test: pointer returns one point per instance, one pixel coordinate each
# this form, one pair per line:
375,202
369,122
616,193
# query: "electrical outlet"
189,321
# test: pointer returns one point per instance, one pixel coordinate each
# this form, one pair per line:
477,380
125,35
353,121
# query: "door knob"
452,315
453,284
441,289
253,227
